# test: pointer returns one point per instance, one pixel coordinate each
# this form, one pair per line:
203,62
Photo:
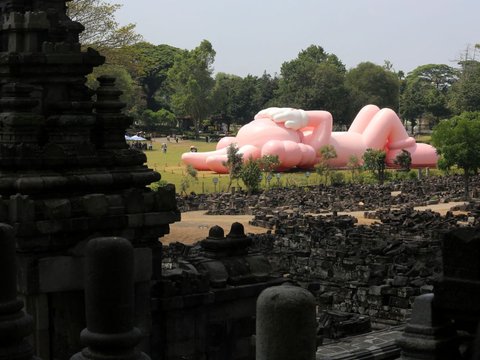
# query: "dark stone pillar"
428,335
15,325
286,324
109,300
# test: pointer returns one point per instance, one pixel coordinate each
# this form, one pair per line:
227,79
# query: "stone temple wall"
67,174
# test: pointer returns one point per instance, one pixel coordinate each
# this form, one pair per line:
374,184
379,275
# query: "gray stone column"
286,324
15,325
109,302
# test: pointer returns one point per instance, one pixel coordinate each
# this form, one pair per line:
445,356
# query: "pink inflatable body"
295,136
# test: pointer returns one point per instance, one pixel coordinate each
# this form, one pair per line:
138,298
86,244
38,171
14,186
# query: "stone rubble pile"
375,271
372,270
343,197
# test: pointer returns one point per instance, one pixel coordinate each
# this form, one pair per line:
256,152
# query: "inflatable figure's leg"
363,118
199,159
386,131
423,155
216,162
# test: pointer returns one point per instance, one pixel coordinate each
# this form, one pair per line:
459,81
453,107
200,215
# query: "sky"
254,36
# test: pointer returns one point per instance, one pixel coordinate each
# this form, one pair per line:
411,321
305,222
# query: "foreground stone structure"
67,173
15,325
286,324
204,308
110,331
67,177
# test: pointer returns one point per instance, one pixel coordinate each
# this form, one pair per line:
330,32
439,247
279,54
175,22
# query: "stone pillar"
428,335
15,325
286,324
109,302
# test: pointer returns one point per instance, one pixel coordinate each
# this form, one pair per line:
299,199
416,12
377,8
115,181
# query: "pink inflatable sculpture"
296,136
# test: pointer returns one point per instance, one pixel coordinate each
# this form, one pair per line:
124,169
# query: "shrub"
251,175
337,178
156,185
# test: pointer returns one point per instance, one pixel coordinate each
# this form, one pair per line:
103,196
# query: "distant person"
164,148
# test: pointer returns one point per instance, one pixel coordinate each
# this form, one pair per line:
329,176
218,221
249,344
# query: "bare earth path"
195,225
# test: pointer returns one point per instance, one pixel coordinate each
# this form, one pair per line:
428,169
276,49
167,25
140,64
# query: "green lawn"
172,169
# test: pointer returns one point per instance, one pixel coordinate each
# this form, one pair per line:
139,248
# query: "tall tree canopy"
226,98
426,91
314,80
239,99
458,142
373,84
150,69
102,31
465,95
191,80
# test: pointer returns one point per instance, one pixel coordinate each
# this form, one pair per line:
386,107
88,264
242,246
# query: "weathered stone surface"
15,325
429,334
286,325
109,301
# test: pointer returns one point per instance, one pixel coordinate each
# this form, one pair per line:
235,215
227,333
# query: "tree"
426,92
403,160
465,93
251,175
374,160
233,164
191,80
237,99
265,87
458,142
353,165
102,31
315,80
326,153
150,69
373,84
161,120
267,164
233,98
222,98
412,102
186,180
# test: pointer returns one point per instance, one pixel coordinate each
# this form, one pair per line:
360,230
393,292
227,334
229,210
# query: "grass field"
173,170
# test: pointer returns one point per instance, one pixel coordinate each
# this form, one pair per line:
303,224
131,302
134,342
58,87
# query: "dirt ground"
195,225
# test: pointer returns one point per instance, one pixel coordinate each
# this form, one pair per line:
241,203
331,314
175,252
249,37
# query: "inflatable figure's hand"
292,118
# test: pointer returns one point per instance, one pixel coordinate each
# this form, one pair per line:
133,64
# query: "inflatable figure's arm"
316,125
292,118
321,124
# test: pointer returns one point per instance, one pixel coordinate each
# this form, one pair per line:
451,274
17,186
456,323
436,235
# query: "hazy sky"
253,36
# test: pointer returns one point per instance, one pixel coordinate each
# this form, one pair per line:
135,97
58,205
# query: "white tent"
137,138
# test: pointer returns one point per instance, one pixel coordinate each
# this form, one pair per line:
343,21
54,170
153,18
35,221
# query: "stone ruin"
67,174
317,199
204,307
73,196
360,275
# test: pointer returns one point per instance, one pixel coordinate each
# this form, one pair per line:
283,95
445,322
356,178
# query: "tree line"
164,85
